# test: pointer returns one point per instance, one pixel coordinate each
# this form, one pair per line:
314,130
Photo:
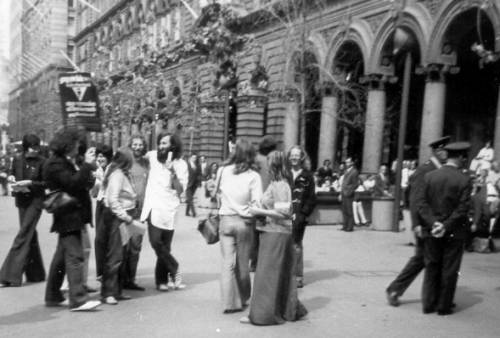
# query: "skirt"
274,298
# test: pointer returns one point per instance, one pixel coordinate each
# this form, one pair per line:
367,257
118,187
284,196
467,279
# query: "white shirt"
160,200
238,191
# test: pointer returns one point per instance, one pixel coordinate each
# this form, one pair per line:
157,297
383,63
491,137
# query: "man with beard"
168,176
138,177
24,255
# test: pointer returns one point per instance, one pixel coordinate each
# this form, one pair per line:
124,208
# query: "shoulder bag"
209,227
58,200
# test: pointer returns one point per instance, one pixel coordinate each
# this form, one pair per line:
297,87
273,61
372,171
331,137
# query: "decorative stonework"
328,33
375,20
432,6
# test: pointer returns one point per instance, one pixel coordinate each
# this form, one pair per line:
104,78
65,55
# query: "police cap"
439,143
457,148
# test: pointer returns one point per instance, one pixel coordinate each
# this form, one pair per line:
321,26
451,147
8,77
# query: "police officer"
416,263
443,205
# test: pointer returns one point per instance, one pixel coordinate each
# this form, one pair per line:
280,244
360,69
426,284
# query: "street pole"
401,139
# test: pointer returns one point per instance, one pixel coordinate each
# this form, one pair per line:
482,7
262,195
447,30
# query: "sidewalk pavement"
345,276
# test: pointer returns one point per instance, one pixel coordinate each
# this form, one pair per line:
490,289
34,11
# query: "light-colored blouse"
278,197
238,191
120,195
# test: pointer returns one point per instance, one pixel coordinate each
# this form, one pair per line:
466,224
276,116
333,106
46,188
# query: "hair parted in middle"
139,137
122,159
175,144
305,162
278,166
243,156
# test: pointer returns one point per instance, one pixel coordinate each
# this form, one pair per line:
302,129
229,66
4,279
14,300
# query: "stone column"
250,119
291,125
374,124
328,126
496,140
212,130
433,111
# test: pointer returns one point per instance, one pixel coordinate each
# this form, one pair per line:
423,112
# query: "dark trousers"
99,243
298,231
347,213
190,201
68,259
113,254
254,250
24,255
3,183
410,271
166,264
442,264
131,259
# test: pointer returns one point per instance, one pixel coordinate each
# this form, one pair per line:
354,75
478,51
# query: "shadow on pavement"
466,298
410,301
37,313
319,275
315,303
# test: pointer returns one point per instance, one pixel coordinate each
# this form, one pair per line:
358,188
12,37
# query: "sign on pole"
79,100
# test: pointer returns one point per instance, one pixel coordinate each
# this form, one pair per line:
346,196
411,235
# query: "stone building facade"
40,34
339,54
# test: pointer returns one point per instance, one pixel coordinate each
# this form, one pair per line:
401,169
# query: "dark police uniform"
445,198
416,263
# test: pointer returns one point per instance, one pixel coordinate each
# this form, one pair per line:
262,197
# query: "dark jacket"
350,182
60,174
381,187
23,168
303,194
445,198
194,176
416,184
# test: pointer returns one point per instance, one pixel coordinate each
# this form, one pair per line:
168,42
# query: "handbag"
58,200
209,227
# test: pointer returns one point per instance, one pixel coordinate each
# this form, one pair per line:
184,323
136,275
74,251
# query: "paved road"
346,274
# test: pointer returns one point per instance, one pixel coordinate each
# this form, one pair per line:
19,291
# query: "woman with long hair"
120,201
240,185
274,298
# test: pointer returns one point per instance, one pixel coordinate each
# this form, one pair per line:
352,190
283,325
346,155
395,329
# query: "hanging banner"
80,101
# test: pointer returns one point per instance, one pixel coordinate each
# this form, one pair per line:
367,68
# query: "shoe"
57,304
110,300
162,287
427,311
124,297
445,312
245,320
133,286
178,285
89,289
392,298
229,311
87,306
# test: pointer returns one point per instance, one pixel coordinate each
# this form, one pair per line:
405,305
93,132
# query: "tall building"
41,33
4,57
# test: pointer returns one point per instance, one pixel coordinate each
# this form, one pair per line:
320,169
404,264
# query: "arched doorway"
471,95
348,68
394,91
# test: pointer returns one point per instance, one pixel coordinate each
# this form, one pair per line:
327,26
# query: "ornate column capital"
377,81
329,88
437,72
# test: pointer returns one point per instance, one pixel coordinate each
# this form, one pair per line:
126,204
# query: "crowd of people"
263,198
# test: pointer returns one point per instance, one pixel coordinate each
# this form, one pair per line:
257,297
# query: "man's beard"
162,155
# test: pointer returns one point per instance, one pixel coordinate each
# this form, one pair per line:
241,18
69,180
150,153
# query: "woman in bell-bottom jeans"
235,239
239,186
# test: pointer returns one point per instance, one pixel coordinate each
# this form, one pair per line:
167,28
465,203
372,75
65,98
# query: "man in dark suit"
443,206
349,184
416,263
194,180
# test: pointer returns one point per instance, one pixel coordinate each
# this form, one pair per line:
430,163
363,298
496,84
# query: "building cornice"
111,12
